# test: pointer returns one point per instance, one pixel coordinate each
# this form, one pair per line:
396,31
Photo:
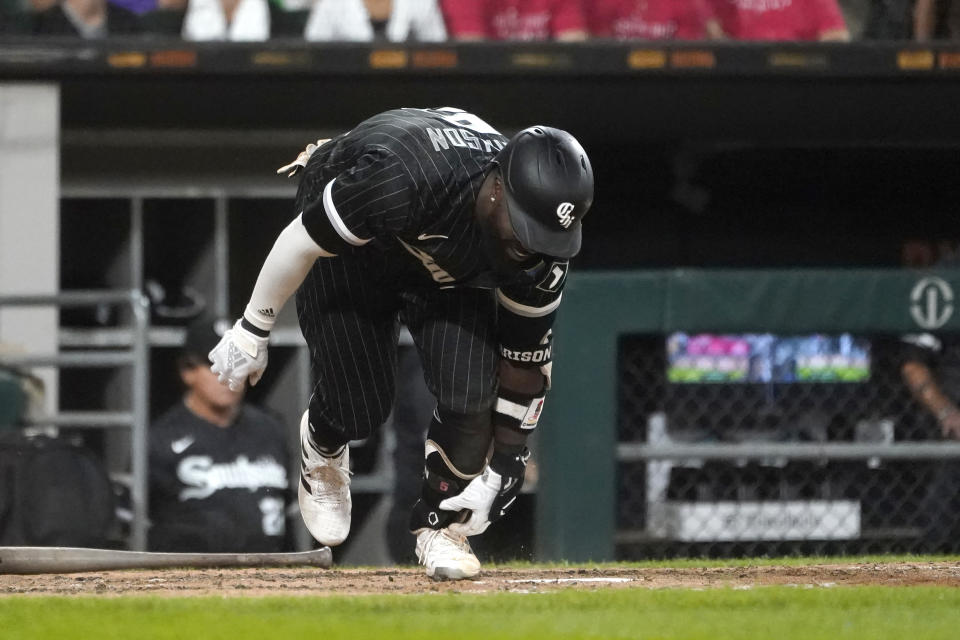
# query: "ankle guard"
440,481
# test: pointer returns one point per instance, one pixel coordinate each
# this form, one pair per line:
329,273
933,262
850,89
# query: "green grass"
776,613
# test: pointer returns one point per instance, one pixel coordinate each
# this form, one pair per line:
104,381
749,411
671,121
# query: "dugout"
724,156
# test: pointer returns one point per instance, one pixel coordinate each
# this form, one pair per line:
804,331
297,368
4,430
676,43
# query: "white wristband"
260,318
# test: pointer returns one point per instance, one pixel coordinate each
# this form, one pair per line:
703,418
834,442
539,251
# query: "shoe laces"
450,539
330,480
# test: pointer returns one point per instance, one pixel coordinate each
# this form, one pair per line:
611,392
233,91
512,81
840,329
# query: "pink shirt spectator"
781,19
514,19
649,19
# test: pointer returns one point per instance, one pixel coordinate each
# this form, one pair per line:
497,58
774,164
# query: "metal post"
141,411
136,243
636,452
138,358
221,251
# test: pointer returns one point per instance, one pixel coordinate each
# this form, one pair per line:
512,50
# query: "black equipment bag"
52,493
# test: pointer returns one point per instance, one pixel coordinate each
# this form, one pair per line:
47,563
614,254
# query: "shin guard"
456,452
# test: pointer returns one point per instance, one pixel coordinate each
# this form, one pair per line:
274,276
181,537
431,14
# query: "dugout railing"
615,479
132,355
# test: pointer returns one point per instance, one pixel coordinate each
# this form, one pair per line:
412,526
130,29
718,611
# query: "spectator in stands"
561,20
366,20
140,7
165,17
233,20
889,20
18,17
157,17
652,20
218,477
89,19
936,19
242,20
810,20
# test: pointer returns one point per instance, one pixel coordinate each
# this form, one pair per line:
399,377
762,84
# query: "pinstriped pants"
350,308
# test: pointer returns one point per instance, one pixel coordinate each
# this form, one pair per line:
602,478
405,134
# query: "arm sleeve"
526,316
376,196
287,264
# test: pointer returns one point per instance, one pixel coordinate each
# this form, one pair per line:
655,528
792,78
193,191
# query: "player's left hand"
238,357
490,495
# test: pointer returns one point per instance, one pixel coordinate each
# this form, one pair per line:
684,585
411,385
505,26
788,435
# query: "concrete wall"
29,209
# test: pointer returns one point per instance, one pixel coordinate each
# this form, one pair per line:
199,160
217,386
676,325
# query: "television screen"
765,357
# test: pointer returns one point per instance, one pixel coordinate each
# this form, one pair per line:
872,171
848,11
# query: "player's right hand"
239,356
489,495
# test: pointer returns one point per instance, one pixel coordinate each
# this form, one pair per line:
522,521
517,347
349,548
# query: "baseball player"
218,477
433,218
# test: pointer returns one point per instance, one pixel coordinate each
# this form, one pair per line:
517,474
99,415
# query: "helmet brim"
537,237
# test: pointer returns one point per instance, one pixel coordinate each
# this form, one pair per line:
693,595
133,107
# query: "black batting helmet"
548,183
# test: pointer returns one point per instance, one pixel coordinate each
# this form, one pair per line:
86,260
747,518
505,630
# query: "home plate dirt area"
408,580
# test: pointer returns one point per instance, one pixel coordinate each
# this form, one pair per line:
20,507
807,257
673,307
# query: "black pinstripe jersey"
406,181
217,489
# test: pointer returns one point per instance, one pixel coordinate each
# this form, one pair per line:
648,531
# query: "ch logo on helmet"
563,214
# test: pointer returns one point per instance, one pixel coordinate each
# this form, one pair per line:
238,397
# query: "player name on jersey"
464,138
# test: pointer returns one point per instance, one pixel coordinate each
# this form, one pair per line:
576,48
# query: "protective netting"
778,505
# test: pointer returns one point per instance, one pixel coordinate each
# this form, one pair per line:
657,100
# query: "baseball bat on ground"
22,560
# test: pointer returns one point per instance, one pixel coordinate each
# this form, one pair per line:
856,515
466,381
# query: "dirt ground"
349,581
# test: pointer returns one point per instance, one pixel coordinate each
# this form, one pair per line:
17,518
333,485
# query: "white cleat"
446,555
324,492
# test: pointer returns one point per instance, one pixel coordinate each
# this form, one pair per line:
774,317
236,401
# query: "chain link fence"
767,490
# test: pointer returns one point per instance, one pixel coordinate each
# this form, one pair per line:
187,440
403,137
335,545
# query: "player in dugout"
218,478
432,217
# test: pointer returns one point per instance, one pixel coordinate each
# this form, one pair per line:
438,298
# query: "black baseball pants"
350,308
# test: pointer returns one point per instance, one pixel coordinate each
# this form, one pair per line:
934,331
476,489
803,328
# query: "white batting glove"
491,494
478,497
240,355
